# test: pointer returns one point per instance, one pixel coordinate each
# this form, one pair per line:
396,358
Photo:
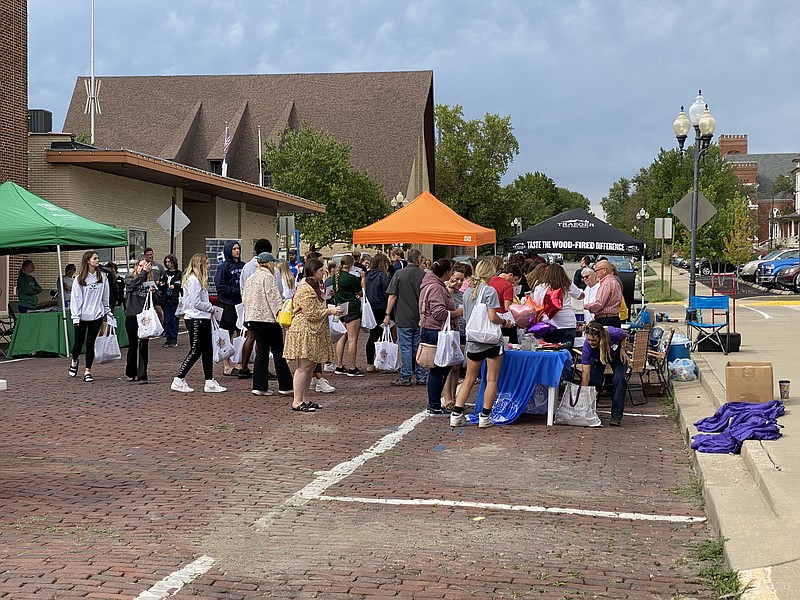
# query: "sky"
592,87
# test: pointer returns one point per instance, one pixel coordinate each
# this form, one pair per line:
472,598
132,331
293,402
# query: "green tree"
316,166
567,200
471,158
534,197
738,239
617,203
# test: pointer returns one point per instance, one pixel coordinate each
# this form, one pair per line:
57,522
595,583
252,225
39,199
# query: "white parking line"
177,580
518,507
763,314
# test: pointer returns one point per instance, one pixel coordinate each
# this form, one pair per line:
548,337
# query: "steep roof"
770,167
182,118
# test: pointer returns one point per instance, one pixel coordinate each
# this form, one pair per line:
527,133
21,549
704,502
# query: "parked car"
623,263
768,269
706,266
748,271
338,257
789,278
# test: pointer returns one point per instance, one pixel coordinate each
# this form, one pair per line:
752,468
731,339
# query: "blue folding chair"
717,305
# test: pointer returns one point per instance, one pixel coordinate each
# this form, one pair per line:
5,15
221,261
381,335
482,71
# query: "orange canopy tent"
425,220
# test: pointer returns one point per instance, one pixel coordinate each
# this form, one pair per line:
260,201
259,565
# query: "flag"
225,147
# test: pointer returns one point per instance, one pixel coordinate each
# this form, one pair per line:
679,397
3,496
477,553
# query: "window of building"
266,179
137,242
215,167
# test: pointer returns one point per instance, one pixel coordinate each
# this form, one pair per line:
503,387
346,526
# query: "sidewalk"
751,498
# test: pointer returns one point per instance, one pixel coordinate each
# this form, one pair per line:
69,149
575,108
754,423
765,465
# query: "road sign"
663,229
181,220
683,210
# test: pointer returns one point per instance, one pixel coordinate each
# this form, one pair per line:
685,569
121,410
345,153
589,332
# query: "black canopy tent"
578,231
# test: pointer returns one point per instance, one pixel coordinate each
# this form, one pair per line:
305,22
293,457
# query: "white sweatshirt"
195,300
89,302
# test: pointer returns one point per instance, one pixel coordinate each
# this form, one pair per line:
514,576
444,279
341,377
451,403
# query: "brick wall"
732,144
14,91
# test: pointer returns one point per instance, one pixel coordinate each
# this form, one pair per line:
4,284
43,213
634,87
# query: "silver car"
748,271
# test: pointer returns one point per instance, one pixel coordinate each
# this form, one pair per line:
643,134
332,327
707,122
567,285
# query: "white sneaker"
484,422
260,393
329,367
324,387
458,420
312,385
212,387
180,385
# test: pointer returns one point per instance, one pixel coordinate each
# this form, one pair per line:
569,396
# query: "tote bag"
106,346
149,323
479,328
367,316
448,347
220,342
578,406
387,353
425,355
285,313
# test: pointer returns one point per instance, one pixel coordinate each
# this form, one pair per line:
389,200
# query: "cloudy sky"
592,86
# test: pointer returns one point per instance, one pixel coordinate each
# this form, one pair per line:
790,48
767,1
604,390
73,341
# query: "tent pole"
641,282
63,300
172,227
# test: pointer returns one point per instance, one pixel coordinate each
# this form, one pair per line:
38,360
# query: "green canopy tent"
31,224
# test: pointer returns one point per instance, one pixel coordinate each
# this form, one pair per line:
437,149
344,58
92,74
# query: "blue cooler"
681,347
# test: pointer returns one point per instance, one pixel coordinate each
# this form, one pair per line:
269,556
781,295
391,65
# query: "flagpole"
260,164
92,97
225,152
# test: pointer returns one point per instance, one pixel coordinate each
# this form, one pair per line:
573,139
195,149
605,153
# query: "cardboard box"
749,382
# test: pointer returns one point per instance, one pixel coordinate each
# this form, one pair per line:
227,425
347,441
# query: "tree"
471,158
737,242
534,197
617,203
314,165
567,200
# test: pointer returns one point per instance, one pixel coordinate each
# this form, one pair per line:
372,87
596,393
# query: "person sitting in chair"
28,289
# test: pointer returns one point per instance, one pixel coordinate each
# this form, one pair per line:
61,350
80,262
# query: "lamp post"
398,201
704,126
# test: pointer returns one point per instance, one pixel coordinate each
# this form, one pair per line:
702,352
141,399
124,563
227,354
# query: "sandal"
314,405
304,407
73,369
87,377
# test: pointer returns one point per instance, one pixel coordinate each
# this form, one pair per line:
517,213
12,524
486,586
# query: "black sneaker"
340,371
355,373
437,412
245,374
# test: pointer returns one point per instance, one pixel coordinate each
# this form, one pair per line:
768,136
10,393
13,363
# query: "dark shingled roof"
182,118
770,167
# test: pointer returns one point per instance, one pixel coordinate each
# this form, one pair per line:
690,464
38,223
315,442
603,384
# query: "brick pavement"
107,488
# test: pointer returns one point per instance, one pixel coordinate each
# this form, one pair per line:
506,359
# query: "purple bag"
541,329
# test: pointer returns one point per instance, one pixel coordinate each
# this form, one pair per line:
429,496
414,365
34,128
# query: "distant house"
386,117
777,216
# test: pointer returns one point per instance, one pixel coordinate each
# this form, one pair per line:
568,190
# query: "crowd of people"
411,296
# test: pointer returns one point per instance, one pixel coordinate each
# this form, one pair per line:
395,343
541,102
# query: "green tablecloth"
43,332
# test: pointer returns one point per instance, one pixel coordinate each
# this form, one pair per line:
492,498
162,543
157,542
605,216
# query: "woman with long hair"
262,302
285,280
535,276
435,304
377,282
169,287
481,292
89,304
556,279
136,291
197,317
308,339
606,347
347,289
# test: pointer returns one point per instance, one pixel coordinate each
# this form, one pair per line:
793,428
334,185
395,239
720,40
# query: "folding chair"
708,331
658,360
7,327
638,362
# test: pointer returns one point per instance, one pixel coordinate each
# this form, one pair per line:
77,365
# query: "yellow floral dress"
309,335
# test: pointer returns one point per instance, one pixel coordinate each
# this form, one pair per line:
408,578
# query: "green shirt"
28,290
345,289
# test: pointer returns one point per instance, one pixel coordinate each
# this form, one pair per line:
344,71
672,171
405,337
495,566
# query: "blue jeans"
597,369
170,322
408,340
436,375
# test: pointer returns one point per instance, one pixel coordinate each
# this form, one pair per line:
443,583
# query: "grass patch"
692,491
723,582
653,292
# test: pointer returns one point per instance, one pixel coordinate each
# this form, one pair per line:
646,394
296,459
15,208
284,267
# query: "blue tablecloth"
520,373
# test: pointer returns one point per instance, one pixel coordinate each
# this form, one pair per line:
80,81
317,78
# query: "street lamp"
398,201
704,126
641,217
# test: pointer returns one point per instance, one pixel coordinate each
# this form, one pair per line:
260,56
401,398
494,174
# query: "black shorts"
349,318
229,317
480,356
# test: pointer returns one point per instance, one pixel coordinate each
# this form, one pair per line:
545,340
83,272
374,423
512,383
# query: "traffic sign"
683,210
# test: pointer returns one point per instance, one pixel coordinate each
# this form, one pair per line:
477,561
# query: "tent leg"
641,283
63,300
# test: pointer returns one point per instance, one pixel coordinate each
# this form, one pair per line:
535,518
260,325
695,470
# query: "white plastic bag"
106,346
238,344
181,309
682,369
578,406
448,347
480,329
337,328
387,353
220,342
367,316
149,323
240,318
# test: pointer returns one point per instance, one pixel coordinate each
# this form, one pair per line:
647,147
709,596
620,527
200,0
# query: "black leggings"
86,331
199,345
375,334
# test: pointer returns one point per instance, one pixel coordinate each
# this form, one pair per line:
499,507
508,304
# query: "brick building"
13,114
775,213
